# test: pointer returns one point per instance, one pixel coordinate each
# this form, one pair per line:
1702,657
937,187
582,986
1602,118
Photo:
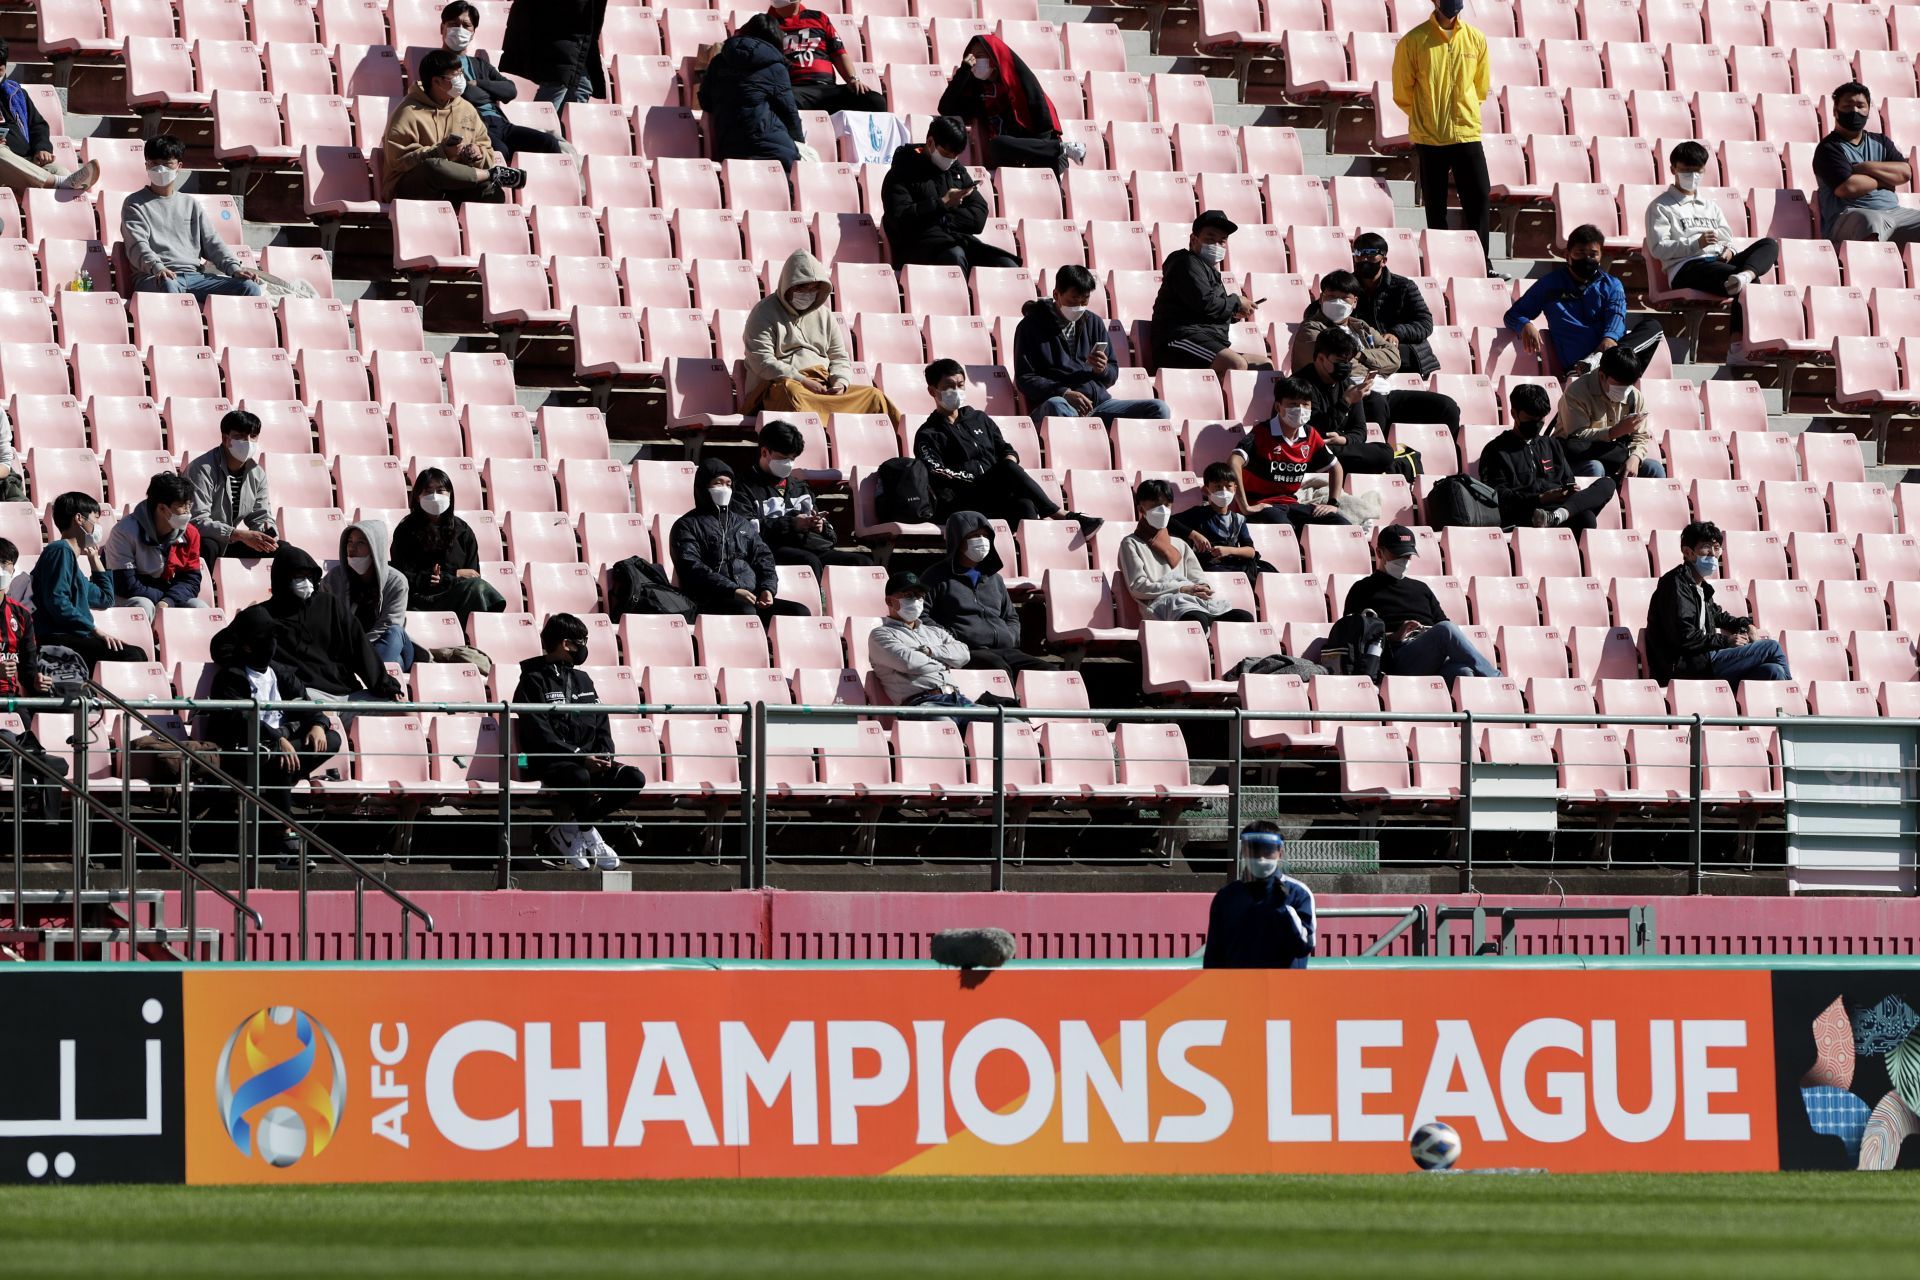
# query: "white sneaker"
594,845
568,846
1738,281
1559,517
1074,151
81,179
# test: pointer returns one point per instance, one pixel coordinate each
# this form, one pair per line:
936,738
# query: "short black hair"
782,437
1155,491
1691,154
1261,826
1850,88
9,554
1615,363
437,63
1075,277
561,626
1337,343
1701,532
457,10
1293,388
1217,472
949,132
165,147
1340,282
1585,234
1530,400
940,370
70,506
169,488
3,62
239,422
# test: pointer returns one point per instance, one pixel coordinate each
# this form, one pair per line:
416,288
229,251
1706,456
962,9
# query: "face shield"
1260,854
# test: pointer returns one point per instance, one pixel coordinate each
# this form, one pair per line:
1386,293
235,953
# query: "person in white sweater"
1163,575
1689,236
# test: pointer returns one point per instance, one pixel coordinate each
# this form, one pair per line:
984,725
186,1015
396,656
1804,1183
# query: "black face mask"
1368,268
1587,269
1342,372
1851,121
577,653
259,657
1525,428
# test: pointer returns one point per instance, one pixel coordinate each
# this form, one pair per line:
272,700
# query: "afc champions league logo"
280,1095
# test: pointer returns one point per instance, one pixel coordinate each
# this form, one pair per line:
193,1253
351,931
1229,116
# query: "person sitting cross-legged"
1062,360
1528,468
1692,241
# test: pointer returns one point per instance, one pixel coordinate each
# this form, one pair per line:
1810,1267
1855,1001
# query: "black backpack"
1461,502
1355,644
637,585
903,492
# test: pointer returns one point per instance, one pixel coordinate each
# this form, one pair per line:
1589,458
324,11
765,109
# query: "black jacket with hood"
1398,307
1522,467
1050,360
919,228
545,738
556,42
978,612
747,94
718,552
418,546
251,628
316,637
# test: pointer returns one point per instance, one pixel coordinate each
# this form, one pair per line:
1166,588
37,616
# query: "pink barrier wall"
771,924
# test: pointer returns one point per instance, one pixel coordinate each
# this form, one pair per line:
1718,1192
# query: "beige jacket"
1375,355
784,343
416,129
1586,412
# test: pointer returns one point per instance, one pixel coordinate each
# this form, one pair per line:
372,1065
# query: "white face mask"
458,38
982,69
1337,310
804,299
722,495
977,549
1397,568
457,85
1159,517
360,564
951,398
911,609
941,160
1222,498
1687,181
1261,868
1214,253
303,587
436,504
240,448
1072,314
92,536
780,468
1617,392
6,580
160,175
1298,416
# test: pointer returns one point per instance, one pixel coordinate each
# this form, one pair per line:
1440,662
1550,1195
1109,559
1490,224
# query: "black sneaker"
508,178
1087,523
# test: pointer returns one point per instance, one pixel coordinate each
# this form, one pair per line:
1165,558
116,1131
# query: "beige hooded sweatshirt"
418,121
784,343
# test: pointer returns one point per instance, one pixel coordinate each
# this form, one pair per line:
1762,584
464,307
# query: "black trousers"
1011,661
1466,164
966,255
1297,514
1208,619
1643,340
1009,152
509,139
1583,506
1413,406
277,779
1710,275
730,603
92,648
1003,491
816,560
830,95
580,794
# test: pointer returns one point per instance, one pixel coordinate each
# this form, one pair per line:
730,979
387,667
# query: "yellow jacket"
1440,79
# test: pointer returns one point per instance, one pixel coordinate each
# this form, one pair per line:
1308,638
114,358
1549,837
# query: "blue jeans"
394,646
1761,660
938,699
1106,410
201,284
1443,650
1650,467
559,95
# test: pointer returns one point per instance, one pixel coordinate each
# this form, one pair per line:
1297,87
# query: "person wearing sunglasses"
1393,304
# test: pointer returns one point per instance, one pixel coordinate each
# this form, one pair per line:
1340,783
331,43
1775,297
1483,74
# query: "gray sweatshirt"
911,661
214,513
171,231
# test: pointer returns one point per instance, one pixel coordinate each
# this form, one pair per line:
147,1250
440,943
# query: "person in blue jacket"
1063,362
1263,920
1586,310
747,94
65,593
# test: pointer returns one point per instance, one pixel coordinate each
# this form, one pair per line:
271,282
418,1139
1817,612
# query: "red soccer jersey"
1274,467
811,44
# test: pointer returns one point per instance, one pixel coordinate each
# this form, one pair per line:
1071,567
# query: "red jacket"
16,638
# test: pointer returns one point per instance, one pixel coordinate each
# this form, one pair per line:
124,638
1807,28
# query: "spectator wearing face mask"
1272,461
1062,360
168,235
1393,304
1193,313
571,753
966,594
798,360
1217,532
1689,637
791,523
973,466
1376,354
487,89
1421,641
319,638
1603,421
70,581
1162,574
1528,468
1262,919
914,657
722,562
1586,310
231,508
153,552
933,216
435,550
1690,238
994,91
373,591
1858,173
436,147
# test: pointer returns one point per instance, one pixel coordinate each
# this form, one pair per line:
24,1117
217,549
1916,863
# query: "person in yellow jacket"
436,147
1441,75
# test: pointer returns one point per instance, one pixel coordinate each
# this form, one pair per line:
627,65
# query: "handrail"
79,792
309,837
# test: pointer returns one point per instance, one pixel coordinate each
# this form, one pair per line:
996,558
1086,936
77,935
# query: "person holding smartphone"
1527,466
1604,424
1062,360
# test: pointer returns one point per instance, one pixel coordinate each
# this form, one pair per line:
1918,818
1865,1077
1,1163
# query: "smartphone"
1101,347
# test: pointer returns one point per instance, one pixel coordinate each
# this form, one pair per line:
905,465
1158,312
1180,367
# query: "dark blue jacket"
1047,364
1263,925
1578,315
748,97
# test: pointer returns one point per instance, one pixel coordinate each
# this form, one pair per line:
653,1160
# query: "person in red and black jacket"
19,650
995,91
1272,460
153,552
815,54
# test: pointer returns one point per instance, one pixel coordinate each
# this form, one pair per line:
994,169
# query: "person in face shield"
1263,919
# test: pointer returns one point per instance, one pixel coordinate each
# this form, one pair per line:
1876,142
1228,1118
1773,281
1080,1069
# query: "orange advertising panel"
405,1074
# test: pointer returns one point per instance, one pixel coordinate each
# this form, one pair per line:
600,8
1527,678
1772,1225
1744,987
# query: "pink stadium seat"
1883,657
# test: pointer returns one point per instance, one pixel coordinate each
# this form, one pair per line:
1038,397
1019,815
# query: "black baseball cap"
1214,218
1397,541
905,584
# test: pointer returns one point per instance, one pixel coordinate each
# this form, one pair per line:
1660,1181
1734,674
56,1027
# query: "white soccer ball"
1435,1146
282,1137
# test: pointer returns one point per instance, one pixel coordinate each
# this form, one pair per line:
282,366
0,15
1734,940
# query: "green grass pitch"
1754,1227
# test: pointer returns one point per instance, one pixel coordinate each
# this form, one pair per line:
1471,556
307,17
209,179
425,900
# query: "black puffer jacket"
556,42
1399,308
542,738
748,97
918,226
980,614
719,552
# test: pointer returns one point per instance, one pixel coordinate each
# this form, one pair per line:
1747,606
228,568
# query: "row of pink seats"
178,320
1794,321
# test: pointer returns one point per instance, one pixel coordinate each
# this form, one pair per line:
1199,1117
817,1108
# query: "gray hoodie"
390,585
